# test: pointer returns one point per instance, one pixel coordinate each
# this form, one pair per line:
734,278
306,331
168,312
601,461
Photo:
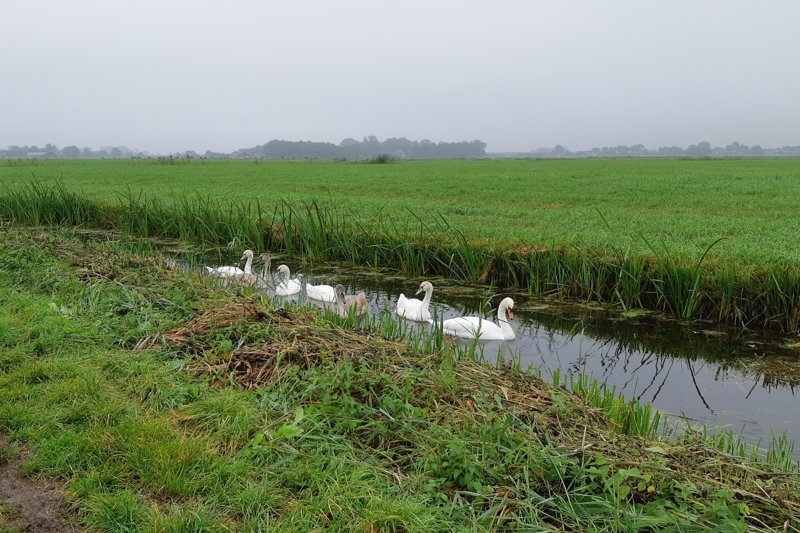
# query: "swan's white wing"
288,287
471,327
324,293
280,290
405,306
401,299
411,308
225,271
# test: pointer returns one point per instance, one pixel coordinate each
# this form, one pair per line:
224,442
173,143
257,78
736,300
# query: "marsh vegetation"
166,401
692,238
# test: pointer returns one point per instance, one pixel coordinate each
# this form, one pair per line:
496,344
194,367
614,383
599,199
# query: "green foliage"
544,227
358,433
118,511
632,417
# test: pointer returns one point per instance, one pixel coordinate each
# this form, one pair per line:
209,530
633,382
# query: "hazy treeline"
51,151
369,147
701,149
395,147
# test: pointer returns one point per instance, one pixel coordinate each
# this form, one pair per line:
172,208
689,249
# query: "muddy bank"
34,505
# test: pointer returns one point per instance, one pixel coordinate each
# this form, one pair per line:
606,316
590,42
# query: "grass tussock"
243,416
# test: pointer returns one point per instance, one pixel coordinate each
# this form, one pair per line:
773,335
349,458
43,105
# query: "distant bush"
172,160
23,162
382,159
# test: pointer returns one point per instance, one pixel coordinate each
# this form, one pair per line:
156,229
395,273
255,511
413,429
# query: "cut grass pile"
166,403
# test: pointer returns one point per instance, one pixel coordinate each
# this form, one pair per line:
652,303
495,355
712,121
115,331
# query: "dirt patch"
30,505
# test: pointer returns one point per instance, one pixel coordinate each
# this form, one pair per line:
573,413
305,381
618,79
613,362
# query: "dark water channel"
741,381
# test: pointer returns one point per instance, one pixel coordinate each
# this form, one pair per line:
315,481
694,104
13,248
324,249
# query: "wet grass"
746,295
165,402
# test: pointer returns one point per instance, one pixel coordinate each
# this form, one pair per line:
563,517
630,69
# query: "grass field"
163,402
687,204
696,238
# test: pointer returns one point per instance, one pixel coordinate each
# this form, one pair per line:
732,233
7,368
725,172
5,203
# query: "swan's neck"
427,299
502,320
340,304
248,267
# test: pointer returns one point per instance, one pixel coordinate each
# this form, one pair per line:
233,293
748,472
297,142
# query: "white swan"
229,271
248,266
414,309
250,278
323,293
346,302
472,327
287,286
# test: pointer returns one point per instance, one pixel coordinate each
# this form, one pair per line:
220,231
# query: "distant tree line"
369,147
701,149
51,151
372,149
366,149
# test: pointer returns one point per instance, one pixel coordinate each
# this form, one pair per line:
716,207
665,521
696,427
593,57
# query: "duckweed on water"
166,402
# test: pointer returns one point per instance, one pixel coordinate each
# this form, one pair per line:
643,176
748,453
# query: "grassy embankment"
168,404
713,239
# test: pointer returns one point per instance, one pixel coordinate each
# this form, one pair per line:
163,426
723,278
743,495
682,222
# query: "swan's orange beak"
510,314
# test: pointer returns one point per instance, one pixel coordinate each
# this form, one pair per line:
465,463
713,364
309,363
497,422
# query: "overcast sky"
168,75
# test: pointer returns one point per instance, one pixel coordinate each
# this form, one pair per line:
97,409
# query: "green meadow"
694,238
685,203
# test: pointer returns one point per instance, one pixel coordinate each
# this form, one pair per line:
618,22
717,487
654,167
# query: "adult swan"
323,293
287,286
414,309
473,327
232,271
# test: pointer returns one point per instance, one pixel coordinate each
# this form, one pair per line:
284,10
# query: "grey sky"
170,75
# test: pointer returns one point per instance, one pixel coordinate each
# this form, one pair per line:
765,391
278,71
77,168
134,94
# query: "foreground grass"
167,404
